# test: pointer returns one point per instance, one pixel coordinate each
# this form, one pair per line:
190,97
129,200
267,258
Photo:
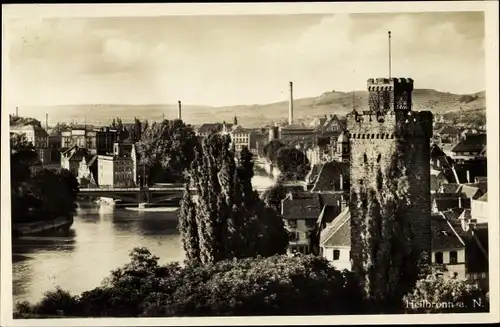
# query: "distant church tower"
390,186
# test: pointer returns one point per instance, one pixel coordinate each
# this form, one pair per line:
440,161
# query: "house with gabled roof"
469,148
448,245
335,241
300,211
448,134
333,177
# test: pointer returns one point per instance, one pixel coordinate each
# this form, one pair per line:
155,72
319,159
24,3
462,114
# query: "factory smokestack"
47,121
179,111
290,105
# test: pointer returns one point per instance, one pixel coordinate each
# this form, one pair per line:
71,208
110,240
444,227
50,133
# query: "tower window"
382,136
379,157
365,158
378,136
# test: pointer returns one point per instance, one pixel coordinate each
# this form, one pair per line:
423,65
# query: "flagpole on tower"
389,54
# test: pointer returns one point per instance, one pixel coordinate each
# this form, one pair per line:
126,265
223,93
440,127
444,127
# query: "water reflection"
99,241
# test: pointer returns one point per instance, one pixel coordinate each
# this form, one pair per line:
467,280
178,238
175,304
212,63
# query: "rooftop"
446,235
330,175
338,232
472,143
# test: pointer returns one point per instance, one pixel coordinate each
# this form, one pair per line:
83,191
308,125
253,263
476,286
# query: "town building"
71,158
470,148
206,129
301,212
117,169
242,137
55,146
39,137
97,141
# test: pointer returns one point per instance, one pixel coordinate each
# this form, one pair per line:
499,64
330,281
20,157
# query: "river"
99,241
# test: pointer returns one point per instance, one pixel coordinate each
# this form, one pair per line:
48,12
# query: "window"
292,223
453,257
438,257
336,255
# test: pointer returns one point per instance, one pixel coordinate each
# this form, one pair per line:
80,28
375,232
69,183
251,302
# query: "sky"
230,60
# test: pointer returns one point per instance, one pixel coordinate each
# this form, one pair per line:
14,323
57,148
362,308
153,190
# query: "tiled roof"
482,186
471,143
450,188
329,177
239,129
327,215
471,192
338,232
445,234
448,130
444,202
209,127
484,198
436,151
303,206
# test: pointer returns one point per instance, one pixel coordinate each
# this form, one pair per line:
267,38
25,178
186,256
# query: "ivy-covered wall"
390,201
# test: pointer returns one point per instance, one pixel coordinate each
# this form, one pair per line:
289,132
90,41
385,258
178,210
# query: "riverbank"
39,227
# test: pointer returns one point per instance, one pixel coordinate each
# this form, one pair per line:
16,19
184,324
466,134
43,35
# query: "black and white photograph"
292,163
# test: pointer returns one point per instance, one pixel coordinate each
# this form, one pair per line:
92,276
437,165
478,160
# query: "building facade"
117,169
386,135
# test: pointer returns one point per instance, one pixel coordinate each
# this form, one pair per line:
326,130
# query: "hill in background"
305,109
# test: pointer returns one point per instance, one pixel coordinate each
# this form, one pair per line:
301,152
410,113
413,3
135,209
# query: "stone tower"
390,188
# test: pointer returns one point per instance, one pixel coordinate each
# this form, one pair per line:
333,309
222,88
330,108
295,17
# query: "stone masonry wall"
390,197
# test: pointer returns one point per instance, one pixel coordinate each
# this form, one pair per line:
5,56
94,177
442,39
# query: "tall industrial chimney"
46,121
179,111
290,105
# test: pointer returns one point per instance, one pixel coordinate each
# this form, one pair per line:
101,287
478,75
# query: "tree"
271,149
59,128
438,294
188,227
277,285
167,149
136,130
232,221
23,121
292,163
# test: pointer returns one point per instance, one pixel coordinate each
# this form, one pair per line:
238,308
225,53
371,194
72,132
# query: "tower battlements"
390,84
389,125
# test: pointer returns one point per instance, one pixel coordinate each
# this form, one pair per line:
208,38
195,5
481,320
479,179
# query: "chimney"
17,111
46,121
468,176
179,111
290,106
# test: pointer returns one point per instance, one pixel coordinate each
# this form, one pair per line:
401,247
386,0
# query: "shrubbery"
278,285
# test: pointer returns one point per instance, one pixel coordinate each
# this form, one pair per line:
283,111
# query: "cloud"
237,60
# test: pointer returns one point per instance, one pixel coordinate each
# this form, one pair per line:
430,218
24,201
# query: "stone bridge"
151,195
